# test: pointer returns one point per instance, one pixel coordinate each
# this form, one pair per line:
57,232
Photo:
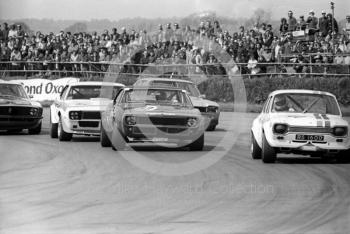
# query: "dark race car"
161,115
17,111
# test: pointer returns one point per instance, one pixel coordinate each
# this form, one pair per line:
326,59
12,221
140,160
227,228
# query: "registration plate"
309,138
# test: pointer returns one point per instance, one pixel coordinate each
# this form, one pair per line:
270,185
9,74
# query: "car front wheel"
268,153
255,148
198,144
62,135
104,139
35,131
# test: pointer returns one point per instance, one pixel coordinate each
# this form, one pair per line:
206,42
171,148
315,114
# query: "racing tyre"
62,135
35,131
343,157
54,130
104,139
118,142
12,131
255,148
211,127
198,144
268,153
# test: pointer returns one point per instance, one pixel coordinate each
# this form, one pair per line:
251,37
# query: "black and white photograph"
174,117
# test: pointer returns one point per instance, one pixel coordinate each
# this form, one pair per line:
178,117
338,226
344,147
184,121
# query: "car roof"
166,79
92,83
153,87
10,82
302,91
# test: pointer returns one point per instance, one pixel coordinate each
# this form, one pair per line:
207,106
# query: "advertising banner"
46,90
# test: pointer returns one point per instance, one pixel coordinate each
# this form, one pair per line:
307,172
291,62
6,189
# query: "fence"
97,70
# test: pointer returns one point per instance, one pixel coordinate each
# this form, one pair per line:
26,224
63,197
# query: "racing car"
78,109
302,122
155,114
17,110
208,108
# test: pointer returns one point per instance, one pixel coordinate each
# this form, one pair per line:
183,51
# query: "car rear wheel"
62,135
35,131
104,139
268,153
255,148
198,144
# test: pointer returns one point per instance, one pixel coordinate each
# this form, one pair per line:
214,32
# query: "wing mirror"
202,96
31,96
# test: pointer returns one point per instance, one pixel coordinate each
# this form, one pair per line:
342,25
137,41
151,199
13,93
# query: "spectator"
323,24
12,32
292,22
301,25
347,27
332,23
253,65
312,22
284,26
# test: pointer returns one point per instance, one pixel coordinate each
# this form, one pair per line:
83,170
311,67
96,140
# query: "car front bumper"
82,127
168,134
8,122
329,144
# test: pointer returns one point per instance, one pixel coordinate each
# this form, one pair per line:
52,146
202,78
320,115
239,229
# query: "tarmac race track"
77,187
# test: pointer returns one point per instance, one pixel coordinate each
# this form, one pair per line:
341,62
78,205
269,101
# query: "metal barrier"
35,69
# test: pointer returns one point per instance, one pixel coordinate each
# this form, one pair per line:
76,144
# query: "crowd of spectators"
314,40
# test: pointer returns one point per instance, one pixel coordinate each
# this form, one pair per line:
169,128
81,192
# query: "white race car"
207,108
78,109
300,121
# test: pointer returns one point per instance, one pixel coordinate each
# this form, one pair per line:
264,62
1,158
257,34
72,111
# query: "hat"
348,16
323,12
311,11
290,12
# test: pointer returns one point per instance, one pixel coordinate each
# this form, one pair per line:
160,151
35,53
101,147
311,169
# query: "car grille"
310,130
173,121
91,115
14,110
88,124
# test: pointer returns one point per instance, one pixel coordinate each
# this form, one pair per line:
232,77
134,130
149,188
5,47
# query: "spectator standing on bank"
12,31
5,31
332,22
347,27
312,23
323,24
302,23
283,26
292,22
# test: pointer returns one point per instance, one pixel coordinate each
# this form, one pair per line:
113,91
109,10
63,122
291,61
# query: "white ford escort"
300,121
78,109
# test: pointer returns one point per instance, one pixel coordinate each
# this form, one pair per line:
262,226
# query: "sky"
118,9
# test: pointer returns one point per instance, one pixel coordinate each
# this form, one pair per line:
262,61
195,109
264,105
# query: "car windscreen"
190,88
12,91
88,92
305,103
156,96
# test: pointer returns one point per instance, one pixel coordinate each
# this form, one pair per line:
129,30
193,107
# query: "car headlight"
33,111
340,131
130,120
191,122
74,115
280,128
